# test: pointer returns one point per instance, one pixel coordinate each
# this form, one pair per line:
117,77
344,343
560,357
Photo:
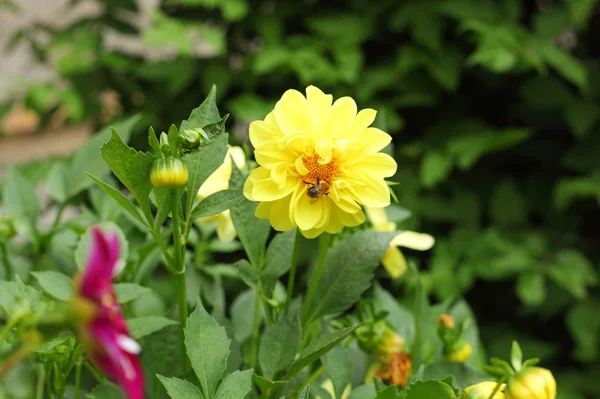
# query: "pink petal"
104,255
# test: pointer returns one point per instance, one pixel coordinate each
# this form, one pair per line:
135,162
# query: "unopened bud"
458,352
483,390
445,320
532,382
168,173
192,138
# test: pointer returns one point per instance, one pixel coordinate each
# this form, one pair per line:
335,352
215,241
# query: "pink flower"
101,327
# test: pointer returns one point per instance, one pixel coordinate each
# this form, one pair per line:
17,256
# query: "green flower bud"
532,382
458,352
168,173
192,138
379,339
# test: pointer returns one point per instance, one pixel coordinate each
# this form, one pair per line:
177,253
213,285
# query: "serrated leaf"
179,389
207,347
278,259
201,164
348,272
131,167
279,344
56,284
146,325
206,113
318,348
235,385
121,199
127,292
217,203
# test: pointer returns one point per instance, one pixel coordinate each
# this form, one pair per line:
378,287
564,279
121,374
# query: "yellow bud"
445,320
459,352
168,173
483,390
391,343
532,383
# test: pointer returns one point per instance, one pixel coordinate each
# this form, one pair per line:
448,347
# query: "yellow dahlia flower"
219,181
393,260
319,162
483,390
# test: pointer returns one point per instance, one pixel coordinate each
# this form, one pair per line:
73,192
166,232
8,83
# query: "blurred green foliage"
494,107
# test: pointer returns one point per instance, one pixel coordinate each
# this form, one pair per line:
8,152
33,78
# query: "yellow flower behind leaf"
483,390
219,181
393,260
319,162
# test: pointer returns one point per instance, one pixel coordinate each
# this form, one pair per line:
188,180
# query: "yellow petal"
394,262
279,214
270,155
340,117
225,228
319,104
413,240
379,163
262,132
373,192
376,139
307,214
238,155
217,181
362,121
260,187
292,113
378,217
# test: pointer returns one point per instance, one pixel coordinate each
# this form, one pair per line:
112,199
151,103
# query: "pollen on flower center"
317,171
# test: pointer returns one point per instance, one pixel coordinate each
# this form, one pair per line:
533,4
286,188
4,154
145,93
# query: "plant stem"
77,378
324,242
255,331
39,390
7,266
291,280
497,387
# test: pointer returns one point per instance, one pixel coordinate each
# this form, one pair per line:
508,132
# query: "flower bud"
379,339
168,173
447,321
191,139
483,390
458,352
532,382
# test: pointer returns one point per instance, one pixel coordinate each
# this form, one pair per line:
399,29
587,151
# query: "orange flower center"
319,172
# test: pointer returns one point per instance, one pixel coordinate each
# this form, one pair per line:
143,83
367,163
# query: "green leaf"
16,297
430,390
242,315
207,347
305,394
390,392
122,200
516,356
201,164
253,232
565,64
348,272
127,292
246,272
162,352
531,288
572,271
318,348
180,389
584,326
462,374
19,198
163,198
506,204
56,183
338,365
56,284
153,141
217,203
278,259
581,11
235,385
435,167
279,344
582,116
106,391
363,392
131,167
146,325
206,113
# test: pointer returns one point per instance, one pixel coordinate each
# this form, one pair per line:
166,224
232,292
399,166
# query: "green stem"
95,373
77,378
7,266
255,331
291,280
39,391
324,242
179,268
497,387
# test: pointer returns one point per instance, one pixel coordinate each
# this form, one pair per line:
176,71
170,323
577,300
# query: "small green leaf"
207,347
180,389
279,344
217,203
131,167
127,292
531,288
19,197
235,385
516,356
153,141
318,348
435,167
121,199
278,259
565,64
146,325
56,284
348,272
206,113
173,136
430,390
